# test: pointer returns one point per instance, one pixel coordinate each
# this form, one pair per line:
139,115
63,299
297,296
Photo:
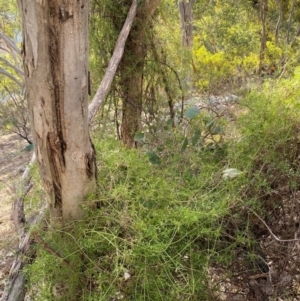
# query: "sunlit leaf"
230,173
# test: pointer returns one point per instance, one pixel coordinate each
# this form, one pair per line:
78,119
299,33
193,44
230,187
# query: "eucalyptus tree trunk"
132,67
55,49
186,17
263,39
280,17
292,9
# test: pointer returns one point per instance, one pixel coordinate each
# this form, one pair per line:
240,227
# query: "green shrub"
161,227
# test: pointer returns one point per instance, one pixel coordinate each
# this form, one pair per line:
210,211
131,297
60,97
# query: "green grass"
154,223
160,228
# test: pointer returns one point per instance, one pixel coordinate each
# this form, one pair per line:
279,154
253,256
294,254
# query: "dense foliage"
177,228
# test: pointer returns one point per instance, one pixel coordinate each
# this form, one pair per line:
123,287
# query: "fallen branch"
14,290
271,232
18,205
51,251
9,43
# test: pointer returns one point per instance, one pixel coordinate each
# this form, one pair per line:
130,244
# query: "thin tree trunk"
290,22
278,2
132,85
55,46
186,17
167,87
263,41
295,37
132,67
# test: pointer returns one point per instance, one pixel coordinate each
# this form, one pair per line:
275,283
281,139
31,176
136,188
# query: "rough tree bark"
132,67
186,17
55,48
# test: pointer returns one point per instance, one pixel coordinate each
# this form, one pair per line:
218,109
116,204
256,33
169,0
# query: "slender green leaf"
196,137
184,145
210,124
139,136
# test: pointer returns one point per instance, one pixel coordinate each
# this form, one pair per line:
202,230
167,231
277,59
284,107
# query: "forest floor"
13,160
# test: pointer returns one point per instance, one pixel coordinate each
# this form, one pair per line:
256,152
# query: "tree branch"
113,63
18,70
10,43
2,71
296,36
269,229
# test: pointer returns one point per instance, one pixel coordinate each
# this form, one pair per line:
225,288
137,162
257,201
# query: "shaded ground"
13,160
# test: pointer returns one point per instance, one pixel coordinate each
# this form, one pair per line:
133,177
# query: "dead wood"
15,288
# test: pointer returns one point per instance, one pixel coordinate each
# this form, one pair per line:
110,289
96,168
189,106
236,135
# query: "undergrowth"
159,231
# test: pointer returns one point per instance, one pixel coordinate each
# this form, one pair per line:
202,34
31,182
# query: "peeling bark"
55,47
